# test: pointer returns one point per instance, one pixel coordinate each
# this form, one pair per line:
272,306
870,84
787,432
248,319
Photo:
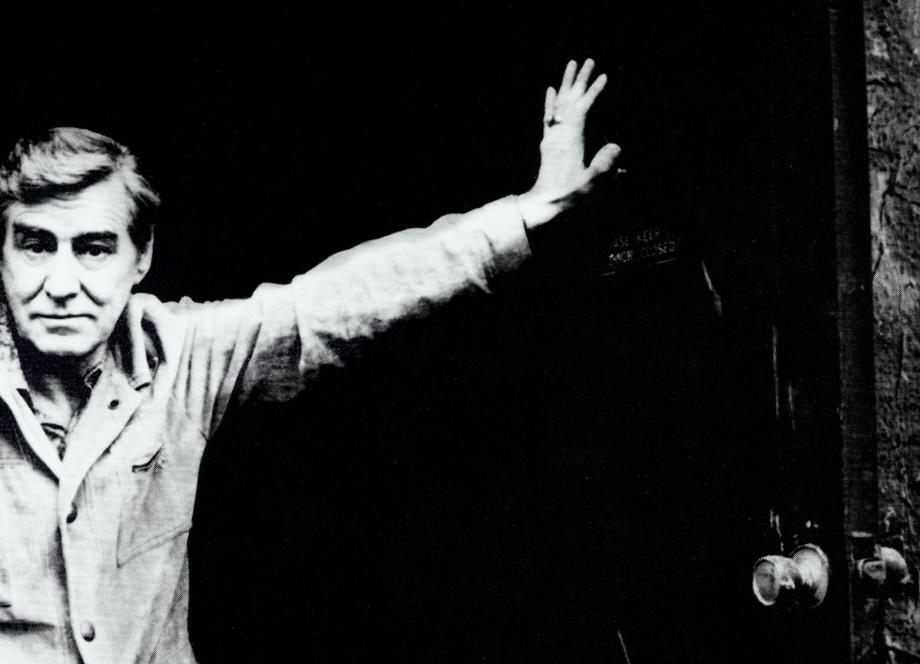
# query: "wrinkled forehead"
102,207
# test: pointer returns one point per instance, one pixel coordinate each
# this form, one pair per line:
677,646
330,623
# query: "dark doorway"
574,463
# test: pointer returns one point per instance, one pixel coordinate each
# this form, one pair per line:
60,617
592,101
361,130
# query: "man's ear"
143,261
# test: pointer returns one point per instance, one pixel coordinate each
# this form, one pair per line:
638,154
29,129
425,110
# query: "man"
109,398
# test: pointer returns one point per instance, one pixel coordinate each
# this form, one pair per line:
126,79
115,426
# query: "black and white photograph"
461,334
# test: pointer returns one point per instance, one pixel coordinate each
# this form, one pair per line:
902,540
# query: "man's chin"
65,347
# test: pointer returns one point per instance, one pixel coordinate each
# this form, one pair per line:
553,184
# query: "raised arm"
266,347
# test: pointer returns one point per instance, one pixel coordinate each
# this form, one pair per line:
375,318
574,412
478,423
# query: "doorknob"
888,573
799,580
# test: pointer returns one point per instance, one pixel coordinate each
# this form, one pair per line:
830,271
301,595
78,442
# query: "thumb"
603,160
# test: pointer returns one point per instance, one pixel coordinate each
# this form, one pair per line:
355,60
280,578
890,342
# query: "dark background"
523,477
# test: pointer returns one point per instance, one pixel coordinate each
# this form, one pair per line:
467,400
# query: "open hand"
563,176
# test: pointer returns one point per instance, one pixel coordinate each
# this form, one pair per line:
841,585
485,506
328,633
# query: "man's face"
68,268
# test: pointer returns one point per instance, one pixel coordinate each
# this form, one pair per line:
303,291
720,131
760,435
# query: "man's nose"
62,281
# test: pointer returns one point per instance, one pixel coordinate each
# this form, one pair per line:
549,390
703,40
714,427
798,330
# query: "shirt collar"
133,347
9,355
91,377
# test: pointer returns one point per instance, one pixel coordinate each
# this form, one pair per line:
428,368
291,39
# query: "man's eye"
96,250
35,247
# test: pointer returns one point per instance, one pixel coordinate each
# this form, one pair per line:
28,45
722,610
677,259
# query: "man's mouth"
61,317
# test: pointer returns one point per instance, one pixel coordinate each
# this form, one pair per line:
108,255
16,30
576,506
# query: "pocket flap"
145,461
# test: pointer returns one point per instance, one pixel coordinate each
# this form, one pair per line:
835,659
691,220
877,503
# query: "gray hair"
63,161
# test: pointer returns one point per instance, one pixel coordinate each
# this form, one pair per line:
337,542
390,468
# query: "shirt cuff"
502,224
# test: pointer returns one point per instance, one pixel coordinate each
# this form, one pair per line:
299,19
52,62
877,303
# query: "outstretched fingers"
588,99
581,81
563,177
575,97
568,77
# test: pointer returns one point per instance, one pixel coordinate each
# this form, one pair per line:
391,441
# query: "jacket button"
113,404
72,515
87,631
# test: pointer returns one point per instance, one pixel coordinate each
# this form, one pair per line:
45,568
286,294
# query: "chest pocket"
161,482
28,531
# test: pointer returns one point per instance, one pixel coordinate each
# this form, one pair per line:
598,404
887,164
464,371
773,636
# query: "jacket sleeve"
268,346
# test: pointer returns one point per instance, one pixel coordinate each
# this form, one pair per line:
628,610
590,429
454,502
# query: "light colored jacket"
93,557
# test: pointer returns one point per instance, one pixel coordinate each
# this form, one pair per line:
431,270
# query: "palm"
563,174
